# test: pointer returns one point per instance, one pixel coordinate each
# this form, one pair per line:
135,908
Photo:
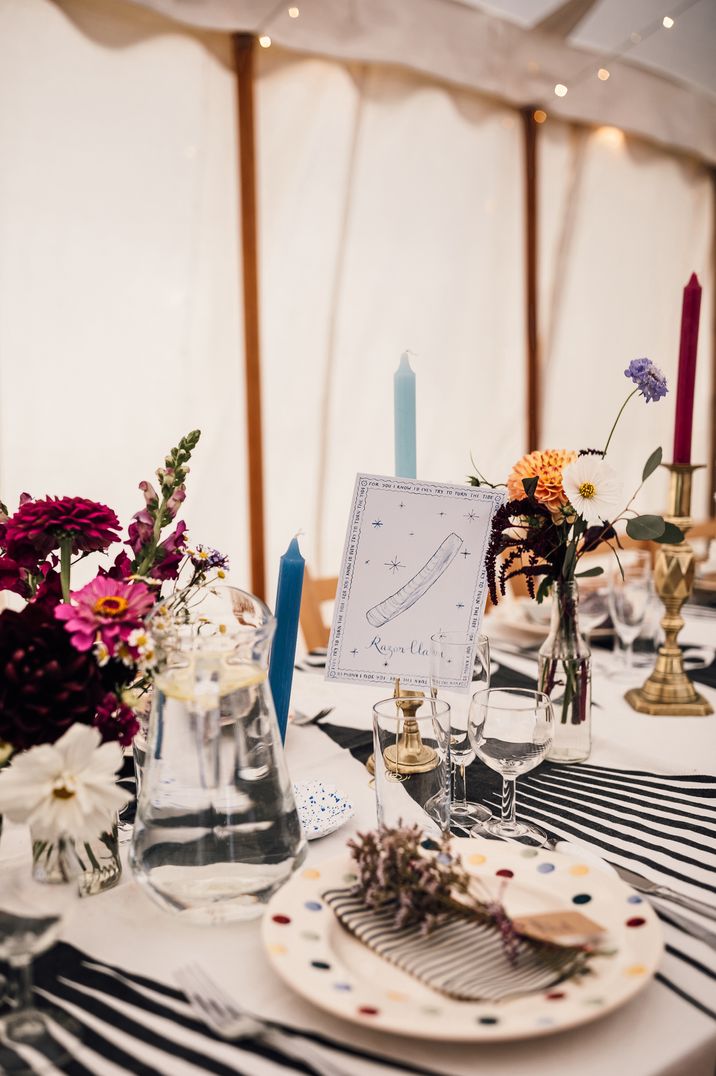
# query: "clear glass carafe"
216,831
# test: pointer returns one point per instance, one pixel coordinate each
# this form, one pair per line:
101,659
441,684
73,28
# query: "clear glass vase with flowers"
562,505
83,656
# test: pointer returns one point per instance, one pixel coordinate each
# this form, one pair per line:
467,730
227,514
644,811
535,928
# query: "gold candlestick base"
408,754
668,692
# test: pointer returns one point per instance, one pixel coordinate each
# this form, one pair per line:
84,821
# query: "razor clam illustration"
413,590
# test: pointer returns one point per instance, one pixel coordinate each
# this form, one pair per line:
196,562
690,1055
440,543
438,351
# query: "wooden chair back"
315,593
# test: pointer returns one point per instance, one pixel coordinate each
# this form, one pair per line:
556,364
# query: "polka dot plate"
321,808
330,968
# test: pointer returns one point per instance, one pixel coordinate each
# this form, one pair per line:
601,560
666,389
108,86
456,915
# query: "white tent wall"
623,226
120,319
391,219
390,216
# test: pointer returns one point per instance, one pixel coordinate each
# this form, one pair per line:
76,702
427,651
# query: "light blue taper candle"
404,400
283,651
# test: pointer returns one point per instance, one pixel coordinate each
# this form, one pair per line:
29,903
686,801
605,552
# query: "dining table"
645,799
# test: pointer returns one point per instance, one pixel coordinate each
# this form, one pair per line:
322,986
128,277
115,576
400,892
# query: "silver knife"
653,889
691,927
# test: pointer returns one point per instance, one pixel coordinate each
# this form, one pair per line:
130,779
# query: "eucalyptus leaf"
569,559
529,485
672,535
646,528
589,573
543,590
652,463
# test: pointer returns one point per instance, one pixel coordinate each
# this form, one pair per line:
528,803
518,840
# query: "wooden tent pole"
532,358
244,61
711,484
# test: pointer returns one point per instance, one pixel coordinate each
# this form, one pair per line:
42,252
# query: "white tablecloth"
665,1031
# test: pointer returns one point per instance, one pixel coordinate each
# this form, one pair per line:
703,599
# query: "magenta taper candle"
690,311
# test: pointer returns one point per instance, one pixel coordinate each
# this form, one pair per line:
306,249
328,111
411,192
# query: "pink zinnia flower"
106,610
43,524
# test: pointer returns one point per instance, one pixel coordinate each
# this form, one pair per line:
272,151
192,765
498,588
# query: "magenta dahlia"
105,611
43,525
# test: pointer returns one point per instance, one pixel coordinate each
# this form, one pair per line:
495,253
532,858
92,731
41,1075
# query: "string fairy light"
665,22
261,31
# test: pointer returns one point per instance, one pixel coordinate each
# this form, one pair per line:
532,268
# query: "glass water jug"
216,832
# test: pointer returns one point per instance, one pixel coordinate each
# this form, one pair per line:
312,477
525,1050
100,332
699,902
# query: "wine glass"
593,604
511,731
33,909
451,652
629,594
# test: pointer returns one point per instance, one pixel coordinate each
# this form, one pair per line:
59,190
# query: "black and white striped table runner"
133,1024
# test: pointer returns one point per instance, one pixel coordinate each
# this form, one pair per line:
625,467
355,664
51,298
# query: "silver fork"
220,1012
300,719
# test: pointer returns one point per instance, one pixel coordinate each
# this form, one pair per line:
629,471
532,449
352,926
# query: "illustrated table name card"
413,567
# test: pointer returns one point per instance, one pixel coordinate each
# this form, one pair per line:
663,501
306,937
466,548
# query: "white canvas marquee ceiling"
662,82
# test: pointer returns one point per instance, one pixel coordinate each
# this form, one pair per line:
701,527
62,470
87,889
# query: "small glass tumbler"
411,739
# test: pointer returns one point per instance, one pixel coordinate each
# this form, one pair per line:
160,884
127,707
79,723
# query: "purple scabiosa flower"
203,558
648,378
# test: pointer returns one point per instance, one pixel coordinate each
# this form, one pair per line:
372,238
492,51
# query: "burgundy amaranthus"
524,545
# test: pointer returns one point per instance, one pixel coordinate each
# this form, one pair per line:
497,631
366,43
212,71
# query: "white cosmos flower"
64,789
593,488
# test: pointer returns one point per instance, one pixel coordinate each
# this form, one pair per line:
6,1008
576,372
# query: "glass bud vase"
99,861
565,675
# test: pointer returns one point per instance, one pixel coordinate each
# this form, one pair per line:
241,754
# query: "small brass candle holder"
408,754
668,692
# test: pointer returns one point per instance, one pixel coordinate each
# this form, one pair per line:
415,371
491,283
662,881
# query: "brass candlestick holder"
408,754
668,692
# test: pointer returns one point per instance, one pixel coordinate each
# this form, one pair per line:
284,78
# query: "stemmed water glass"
593,605
33,910
511,732
451,652
629,594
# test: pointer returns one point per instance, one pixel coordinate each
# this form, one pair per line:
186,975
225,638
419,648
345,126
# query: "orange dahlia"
547,468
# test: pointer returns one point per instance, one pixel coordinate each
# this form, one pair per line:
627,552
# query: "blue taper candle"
283,651
404,401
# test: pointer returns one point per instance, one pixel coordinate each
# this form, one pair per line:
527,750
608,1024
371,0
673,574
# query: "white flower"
593,488
64,789
101,653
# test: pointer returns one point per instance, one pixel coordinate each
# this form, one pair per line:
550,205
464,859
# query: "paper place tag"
560,928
